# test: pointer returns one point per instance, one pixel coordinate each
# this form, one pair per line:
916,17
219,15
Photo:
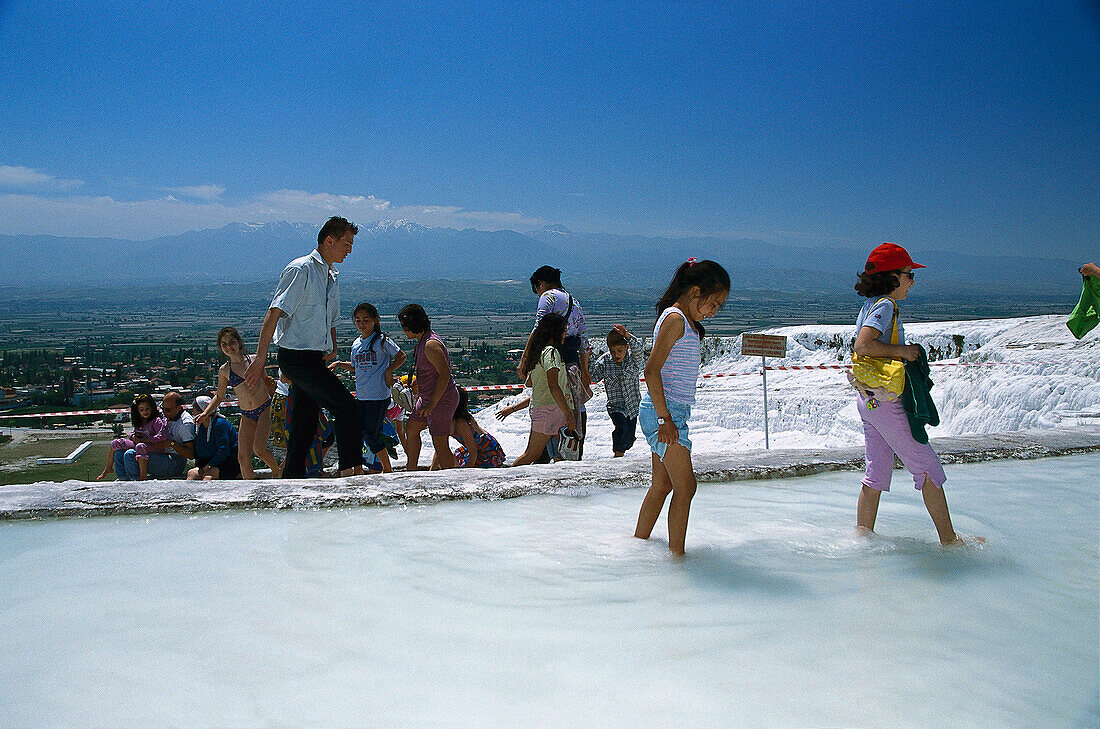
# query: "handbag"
569,444
881,372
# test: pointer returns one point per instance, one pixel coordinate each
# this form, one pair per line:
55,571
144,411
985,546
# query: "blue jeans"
161,465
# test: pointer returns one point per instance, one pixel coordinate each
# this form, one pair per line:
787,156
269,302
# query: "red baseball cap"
889,257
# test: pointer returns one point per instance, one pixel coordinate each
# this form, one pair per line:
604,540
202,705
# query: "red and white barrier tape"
486,388
492,388
114,411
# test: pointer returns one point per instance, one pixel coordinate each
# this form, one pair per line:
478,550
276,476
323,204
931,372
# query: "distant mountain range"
402,250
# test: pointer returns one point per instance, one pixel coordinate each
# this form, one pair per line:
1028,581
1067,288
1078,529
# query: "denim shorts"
647,418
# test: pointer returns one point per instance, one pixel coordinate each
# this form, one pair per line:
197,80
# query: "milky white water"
543,611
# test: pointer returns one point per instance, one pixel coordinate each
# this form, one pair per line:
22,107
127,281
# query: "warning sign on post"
763,345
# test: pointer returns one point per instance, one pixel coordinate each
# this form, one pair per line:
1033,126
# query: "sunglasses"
910,275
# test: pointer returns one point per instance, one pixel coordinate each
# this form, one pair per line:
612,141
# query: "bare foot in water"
961,540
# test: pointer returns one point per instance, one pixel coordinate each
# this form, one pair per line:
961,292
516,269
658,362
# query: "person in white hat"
215,447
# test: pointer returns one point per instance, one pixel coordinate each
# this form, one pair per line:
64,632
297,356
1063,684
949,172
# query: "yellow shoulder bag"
880,372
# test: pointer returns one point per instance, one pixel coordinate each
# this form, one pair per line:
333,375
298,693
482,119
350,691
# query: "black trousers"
371,415
313,386
622,437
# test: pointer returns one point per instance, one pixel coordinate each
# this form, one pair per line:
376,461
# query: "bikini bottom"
254,415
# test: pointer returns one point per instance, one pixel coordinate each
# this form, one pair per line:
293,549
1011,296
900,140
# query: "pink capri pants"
886,432
141,450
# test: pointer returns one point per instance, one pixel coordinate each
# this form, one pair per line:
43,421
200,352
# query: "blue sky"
972,126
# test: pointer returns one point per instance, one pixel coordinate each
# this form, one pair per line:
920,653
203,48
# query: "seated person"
215,447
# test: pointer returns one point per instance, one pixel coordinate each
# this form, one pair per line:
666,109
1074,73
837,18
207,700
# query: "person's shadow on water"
726,570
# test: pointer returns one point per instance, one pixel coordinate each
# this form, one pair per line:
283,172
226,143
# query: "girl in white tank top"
697,291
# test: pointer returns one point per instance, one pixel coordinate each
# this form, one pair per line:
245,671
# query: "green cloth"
1087,313
917,397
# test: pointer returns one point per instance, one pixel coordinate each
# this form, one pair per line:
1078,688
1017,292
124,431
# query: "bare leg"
383,457
143,467
936,502
867,509
443,452
654,500
678,465
536,444
259,443
353,471
246,433
400,428
110,467
412,443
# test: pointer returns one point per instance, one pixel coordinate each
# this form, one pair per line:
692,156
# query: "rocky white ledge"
79,498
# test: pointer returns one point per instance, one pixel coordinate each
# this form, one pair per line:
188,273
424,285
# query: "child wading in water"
544,368
438,395
697,291
149,427
374,358
253,402
619,368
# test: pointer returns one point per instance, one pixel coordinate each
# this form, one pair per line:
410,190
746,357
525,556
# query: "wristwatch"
661,421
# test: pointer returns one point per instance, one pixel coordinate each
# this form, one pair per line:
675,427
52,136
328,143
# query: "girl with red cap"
886,280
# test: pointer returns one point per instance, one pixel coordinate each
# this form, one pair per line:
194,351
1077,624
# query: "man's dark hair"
336,227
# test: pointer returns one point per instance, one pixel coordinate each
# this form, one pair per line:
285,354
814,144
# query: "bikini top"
234,378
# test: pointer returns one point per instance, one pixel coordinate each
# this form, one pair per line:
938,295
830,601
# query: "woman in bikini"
253,402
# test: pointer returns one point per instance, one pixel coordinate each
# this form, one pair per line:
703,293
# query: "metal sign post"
765,345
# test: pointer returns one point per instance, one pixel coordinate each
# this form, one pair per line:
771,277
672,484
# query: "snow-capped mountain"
244,252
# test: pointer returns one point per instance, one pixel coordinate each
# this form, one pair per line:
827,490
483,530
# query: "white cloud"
94,216
27,178
202,192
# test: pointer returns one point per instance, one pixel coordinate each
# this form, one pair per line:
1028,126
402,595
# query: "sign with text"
763,345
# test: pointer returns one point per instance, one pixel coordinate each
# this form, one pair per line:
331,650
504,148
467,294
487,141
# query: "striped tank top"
681,369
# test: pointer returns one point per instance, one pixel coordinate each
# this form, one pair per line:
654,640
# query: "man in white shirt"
302,323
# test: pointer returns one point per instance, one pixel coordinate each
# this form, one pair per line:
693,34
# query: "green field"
17,459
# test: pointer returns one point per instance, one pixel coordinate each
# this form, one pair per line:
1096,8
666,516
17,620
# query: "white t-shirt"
182,429
878,313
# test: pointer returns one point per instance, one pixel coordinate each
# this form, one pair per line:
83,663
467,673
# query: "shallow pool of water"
544,611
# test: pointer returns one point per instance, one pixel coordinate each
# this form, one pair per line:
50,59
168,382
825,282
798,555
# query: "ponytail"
709,276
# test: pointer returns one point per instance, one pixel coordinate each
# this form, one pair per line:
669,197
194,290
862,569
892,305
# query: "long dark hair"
233,334
135,417
462,412
548,333
709,276
372,312
878,283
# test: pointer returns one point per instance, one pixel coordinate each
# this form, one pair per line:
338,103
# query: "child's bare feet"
104,475
965,539
618,454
